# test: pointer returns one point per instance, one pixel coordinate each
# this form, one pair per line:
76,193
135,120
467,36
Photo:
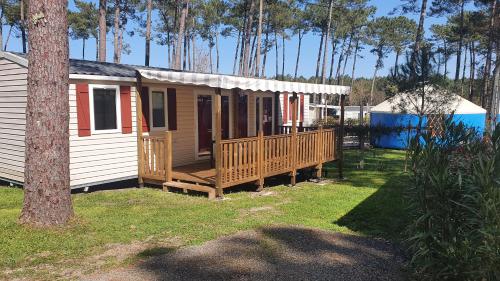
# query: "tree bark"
180,35
47,193
418,37
472,70
320,52
396,61
356,49
259,39
283,55
486,101
463,69
341,59
298,56
217,56
236,52
248,34
277,56
116,32
83,48
332,61
102,30
149,8
97,48
23,27
210,57
323,71
250,56
266,40
460,42
8,37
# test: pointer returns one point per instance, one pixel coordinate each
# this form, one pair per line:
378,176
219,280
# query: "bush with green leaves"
454,201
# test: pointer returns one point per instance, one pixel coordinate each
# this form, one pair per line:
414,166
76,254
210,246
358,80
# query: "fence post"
260,160
319,167
168,156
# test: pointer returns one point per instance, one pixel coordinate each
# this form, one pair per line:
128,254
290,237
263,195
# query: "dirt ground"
273,253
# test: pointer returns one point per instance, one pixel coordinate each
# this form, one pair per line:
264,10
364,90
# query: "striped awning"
244,83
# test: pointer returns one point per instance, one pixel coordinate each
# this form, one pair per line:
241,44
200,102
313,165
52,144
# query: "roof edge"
12,57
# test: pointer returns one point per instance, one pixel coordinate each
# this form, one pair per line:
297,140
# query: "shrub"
454,201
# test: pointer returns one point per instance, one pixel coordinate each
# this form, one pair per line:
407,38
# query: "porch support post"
218,138
341,137
294,139
277,113
168,156
140,145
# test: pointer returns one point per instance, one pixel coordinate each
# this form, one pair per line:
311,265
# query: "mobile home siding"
101,157
13,92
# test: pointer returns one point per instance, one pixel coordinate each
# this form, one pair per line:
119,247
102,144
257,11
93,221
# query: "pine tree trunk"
83,48
102,30
460,42
341,59
486,100
1,29
356,49
23,26
248,35
120,44
259,39
266,40
418,37
472,70
243,40
463,69
47,193
323,70
250,60
445,59
320,52
8,37
188,43
276,49
217,55
210,48
149,8
332,60
283,56
180,35
97,48
236,52
298,56
116,31
396,61
184,54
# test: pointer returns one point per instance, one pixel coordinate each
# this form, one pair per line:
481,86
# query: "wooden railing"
250,159
239,160
156,157
277,155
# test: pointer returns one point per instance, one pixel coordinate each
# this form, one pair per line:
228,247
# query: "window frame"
117,104
150,114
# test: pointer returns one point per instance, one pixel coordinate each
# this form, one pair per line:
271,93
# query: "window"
158,109
105,101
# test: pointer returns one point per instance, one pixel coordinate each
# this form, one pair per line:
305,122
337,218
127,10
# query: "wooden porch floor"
200,173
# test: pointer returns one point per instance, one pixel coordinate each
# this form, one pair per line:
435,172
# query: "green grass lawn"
368,202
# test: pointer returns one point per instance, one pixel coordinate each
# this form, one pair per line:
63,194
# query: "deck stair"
189,186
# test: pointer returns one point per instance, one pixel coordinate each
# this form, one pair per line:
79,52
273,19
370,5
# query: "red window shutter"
145,108
301,107
126,109
172,108
83,109
285,108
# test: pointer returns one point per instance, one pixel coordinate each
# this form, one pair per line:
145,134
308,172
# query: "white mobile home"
165,126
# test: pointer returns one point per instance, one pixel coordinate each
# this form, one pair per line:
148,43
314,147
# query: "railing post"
319,167
168,156
260,160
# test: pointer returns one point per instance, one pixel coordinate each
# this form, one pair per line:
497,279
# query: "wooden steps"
189,186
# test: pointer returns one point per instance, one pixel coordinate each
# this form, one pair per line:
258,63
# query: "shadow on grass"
280,253
383,214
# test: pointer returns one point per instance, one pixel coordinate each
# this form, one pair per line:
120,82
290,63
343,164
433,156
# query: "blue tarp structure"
390,114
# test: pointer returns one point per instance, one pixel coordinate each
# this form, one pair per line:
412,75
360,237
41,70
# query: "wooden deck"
200,173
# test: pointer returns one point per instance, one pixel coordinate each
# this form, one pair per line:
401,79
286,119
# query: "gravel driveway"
273,253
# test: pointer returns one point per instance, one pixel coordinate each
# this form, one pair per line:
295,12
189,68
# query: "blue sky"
307,64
